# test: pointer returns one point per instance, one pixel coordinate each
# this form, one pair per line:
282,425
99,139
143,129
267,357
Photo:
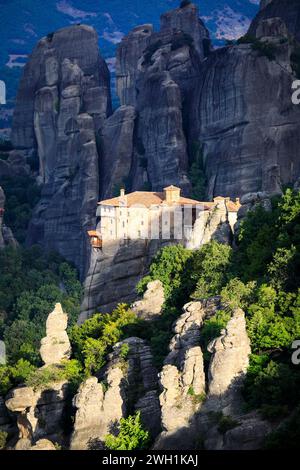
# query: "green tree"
131,435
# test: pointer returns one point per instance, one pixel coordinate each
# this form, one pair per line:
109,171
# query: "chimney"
122,192
238,201
172,194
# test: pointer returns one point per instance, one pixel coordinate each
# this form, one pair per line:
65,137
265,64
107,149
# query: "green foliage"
92,340
287,436
197,173
41,379
196,398
124,351
211,329
264,48
274,387
131,435
31,283
236,294
169,266
22,194
11,376
210,268
226,423
3,439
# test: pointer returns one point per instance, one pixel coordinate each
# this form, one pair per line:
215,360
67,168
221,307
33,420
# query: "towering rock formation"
129,53
287,10
128,384
157,72
187,19
56,345
63,100
248,126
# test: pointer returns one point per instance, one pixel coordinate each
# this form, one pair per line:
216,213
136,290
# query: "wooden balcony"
95,239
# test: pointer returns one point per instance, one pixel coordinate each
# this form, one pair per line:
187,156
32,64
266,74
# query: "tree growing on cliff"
131,435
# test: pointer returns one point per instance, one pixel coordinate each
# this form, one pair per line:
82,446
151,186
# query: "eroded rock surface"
56,345
229,361
182,381
63,100
129,384
150,306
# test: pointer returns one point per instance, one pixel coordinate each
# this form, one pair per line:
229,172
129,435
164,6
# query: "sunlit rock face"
63,101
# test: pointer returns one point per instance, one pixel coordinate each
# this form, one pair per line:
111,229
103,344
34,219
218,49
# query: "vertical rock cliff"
63,101
248,125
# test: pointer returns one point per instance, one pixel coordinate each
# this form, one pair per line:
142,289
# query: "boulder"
229,363
150,306
56,345
88,424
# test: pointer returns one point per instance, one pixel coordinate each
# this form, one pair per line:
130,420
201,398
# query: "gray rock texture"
248,124
6,236
288,10
117,146
129,385
229,361
187,20
182,381
39,412
150,306
56,345
63,100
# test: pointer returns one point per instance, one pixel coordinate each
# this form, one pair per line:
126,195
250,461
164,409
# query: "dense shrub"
31,283
22,194
3,438
92,340
131,435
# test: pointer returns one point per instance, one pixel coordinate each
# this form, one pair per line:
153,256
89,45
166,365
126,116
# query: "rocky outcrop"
150,306
187,19
88,425
129,53
129,383
63,100
287,10
56,345
182,380
6,236
39,413
229,362
248,123
14,165
114,273
117,142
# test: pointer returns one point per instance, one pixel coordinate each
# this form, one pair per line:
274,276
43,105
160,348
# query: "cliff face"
62,103
288,10
233,103
248,126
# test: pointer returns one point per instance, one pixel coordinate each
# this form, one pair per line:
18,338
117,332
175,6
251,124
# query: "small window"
123,224
111,221
120,212
142,223
139,233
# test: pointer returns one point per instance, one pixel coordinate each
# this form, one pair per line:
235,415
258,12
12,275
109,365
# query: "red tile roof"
148,199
